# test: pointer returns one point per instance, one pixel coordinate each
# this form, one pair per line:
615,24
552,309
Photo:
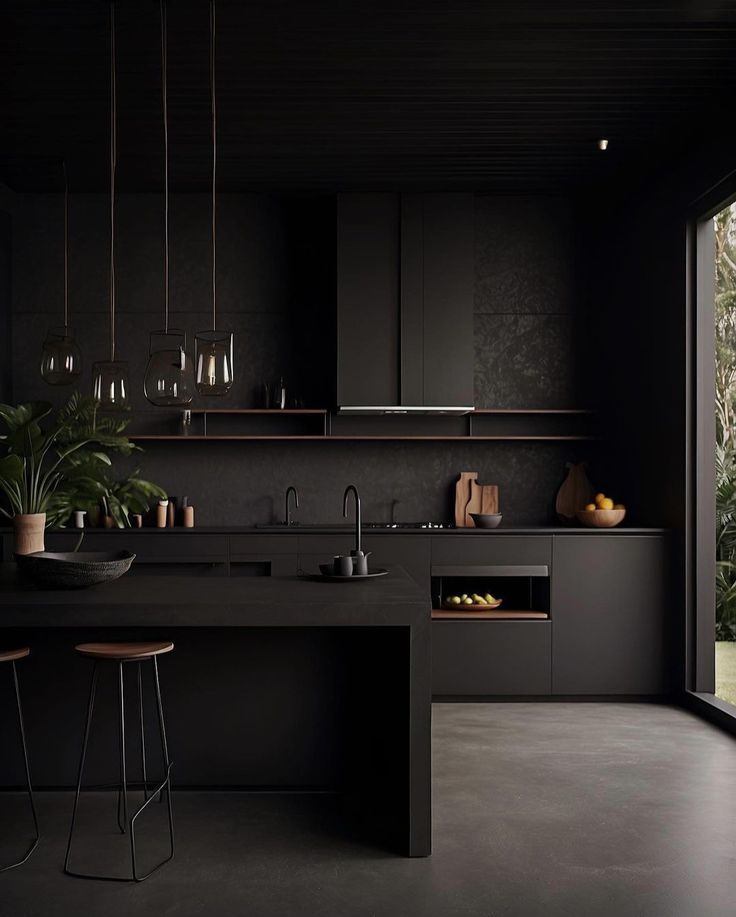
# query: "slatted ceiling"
318,95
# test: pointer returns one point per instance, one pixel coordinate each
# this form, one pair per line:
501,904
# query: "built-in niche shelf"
319,424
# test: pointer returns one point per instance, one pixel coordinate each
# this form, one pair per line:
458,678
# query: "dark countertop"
193,601
324,529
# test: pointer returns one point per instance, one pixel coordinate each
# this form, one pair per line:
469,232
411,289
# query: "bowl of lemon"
603,513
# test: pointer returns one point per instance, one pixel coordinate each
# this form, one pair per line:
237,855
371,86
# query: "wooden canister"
162,513
28,529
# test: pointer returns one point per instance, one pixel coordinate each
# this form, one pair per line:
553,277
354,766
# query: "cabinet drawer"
484,548
263,544
491,657
170,546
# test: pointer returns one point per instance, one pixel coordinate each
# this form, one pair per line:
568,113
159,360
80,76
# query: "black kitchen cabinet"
367,298
491,658
609,615
405,299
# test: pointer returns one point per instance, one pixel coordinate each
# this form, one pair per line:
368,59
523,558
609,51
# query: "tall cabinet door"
367,299
608,609
405,299
437,272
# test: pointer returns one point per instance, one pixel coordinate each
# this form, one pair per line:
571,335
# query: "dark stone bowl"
486,520
74,570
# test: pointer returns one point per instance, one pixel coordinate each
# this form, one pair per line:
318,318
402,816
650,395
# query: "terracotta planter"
28,528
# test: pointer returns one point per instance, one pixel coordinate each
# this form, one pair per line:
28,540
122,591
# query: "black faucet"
351,488
290,490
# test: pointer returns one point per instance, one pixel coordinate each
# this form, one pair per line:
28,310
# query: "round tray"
372,574
448,606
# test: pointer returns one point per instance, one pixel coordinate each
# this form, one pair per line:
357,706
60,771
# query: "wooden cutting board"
462,496
483,499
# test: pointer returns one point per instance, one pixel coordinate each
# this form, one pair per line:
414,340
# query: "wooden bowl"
449,606
601,518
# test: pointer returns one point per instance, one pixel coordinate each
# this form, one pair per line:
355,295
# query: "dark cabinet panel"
263,544
405,299
412,553
368,299
491,657
609,615
484,548
447,282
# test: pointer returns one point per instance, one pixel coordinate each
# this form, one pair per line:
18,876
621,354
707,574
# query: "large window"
724,226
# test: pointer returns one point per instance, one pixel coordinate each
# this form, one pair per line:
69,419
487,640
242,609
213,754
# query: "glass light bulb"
61,360
214,362
110,385
169,378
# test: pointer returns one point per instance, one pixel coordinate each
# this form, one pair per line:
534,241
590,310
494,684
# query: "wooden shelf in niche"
442,614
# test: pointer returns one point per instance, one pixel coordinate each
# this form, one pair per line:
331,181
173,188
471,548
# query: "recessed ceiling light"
603,145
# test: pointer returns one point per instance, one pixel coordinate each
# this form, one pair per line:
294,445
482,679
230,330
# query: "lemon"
589,507
619,506
599,498
606,503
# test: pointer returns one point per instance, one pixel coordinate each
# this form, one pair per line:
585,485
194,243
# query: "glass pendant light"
61,360
110,386
169,378
213,350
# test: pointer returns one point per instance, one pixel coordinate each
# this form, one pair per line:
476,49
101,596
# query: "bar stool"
123,653
12,656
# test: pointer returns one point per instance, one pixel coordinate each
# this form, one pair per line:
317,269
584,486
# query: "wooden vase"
28,529
574,494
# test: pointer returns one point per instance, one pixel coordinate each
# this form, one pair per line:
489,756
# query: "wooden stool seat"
123,651
12,655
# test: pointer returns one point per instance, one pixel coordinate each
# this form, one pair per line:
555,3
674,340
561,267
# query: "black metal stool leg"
22,731
85,741
143,731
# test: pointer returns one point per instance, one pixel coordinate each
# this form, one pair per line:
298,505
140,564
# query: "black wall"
276,291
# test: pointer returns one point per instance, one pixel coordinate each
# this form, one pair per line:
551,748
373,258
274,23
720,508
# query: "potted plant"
30,472
47,473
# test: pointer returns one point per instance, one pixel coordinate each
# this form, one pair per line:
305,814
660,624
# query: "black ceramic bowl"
74,570
486,520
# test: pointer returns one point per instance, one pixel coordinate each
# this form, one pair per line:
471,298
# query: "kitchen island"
275,683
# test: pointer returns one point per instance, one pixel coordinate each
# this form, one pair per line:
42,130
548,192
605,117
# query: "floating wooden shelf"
274,411
320,424
356,438
533,411
441,614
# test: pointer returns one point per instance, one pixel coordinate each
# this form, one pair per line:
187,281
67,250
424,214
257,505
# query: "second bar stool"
122,654
12,656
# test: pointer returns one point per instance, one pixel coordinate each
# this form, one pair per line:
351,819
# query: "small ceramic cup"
360,562
79,515
343,565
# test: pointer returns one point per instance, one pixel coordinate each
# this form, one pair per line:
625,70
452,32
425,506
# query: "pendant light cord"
165,105
113,164
214,164
66,249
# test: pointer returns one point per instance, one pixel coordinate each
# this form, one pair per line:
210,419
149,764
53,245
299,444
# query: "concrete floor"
587,809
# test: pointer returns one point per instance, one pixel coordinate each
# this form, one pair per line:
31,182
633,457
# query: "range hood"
414,410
